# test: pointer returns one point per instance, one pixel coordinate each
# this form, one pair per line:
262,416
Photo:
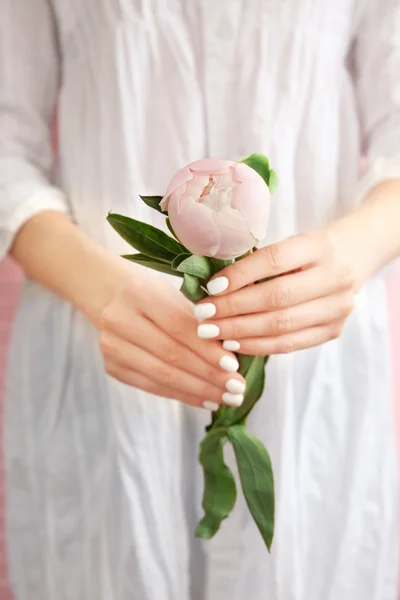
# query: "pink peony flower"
218,208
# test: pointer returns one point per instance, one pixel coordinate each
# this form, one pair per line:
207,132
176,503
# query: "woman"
103,489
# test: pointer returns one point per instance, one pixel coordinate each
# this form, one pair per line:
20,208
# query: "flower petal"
180,178
253,199
212,166
194,225
204,168
196,185
235,236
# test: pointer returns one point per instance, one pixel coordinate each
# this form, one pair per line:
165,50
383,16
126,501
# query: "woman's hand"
147,329
149,341
315,276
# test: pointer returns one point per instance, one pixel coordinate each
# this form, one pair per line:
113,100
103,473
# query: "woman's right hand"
147,329
149,341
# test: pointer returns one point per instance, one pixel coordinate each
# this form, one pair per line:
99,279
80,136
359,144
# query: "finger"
155,341
179,325
298,340
277,294
182,327
141,382
129,356
176,319
321,311
273,260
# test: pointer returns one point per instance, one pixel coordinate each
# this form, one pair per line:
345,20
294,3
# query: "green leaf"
168,222
218,264
257,479
219,495
178,259
273,181
260,163
244,363
153,202
151,263
255,379
191,288
199,266
145,238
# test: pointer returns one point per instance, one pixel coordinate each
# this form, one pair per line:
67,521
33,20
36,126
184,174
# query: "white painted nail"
231,345
208,331
204,311
232,399
228,363
235,386
218,285
210,405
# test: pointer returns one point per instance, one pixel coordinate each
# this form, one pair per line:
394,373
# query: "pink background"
9,290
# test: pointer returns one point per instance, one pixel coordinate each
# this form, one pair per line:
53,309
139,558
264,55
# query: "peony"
218,208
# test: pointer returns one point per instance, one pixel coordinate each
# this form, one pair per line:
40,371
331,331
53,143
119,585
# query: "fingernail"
218,285
235,386
231,345
210,405
208,331
204,311
232,399
228,363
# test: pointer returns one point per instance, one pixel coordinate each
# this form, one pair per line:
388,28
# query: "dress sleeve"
377,62
29,80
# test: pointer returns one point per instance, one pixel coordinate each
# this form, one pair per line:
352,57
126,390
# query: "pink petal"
194,188
194,225
253,199
212,166
204,167
235,236
180,178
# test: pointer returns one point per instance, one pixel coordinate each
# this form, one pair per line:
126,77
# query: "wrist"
105,275
53,251
370,233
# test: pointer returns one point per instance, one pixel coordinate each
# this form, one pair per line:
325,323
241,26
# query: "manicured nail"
210,405
228,363
231,345
204,311
232,399
235,386
208,331
218,285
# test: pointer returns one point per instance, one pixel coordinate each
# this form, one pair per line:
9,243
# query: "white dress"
103,485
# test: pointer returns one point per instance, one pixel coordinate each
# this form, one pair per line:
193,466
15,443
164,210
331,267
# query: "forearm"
53,251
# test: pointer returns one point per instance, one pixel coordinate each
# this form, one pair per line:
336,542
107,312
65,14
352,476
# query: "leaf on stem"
257,479
198,266
178,259
152,263
260,163
191,288
254,373
273,181
219,495
153,202
168,222
219,263
145,238
244,363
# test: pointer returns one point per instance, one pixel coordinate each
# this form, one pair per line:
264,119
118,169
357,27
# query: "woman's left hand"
315,276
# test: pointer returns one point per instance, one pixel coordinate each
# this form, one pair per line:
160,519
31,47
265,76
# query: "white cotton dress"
103,485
